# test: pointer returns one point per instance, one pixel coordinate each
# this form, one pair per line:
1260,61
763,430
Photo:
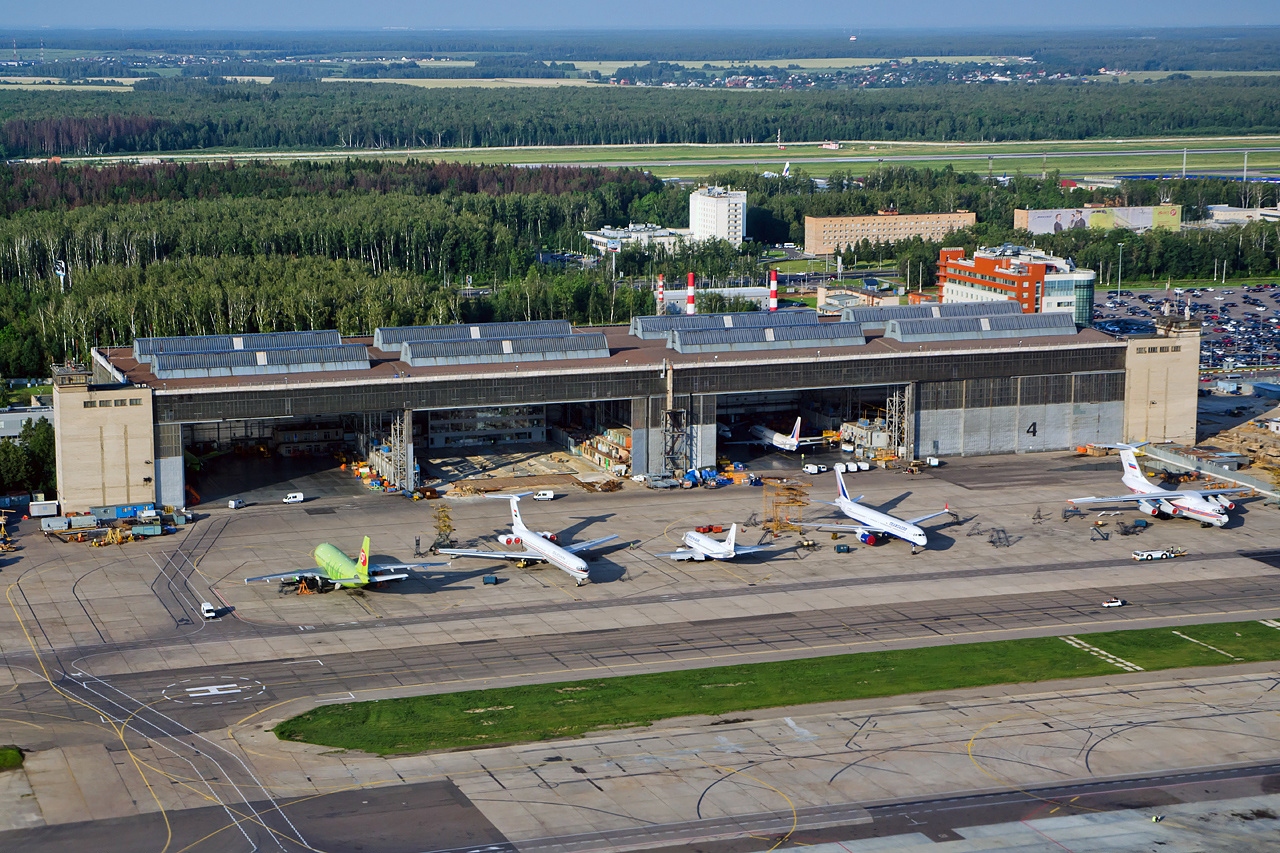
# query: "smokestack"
689,306
662,297
773,290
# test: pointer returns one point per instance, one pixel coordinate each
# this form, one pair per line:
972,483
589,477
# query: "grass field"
10,758
568,709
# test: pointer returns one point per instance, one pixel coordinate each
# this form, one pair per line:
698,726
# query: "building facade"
1040,283
824,235
616,239
716,213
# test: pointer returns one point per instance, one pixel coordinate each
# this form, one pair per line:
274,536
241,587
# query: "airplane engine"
508,539
867,538
1169,508
1149,508
548,535
1222,502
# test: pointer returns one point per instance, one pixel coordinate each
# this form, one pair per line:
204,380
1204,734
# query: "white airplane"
1203,505
873,523
540,546
792,442
702,546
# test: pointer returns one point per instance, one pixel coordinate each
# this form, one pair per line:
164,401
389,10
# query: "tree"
38,442
15,468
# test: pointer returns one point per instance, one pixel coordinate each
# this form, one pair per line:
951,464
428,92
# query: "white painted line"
1207,646
1270,623
1106,656
212,690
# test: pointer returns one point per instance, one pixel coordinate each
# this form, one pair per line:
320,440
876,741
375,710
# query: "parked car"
813,468
208,611
294,498
1114,602
544,495
235,503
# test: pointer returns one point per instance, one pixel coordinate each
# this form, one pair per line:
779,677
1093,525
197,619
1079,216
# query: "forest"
179,114
203,248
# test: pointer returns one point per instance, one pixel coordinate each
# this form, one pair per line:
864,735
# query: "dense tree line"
49,186
170,114
28,463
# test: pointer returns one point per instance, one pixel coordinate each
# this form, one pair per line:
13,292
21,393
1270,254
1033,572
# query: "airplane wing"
929,516
804,442
739,550
491,555
299,575
1157,496
844,528
1203,492
582,546
1114,499
684,554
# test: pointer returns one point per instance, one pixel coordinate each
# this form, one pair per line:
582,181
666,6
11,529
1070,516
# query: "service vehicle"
294,498
544,495
1114,602
1159,553
208,611
813,468
235,503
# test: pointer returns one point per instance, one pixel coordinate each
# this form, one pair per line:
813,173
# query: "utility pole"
1184,164
1120,269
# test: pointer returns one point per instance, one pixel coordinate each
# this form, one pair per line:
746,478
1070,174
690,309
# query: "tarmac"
139,714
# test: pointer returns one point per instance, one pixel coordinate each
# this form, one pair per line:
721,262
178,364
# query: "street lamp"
1120,271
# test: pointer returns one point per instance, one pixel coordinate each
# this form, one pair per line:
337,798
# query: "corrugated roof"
877,315
648,328
282,340
978,328
784,337
391,337
343,353
537,348
144,348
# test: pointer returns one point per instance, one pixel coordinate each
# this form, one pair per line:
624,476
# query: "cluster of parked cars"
1241,324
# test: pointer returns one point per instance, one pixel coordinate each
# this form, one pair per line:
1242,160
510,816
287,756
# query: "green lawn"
568,709
10,758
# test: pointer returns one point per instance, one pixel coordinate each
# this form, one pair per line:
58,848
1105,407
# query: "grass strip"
477,718
10,758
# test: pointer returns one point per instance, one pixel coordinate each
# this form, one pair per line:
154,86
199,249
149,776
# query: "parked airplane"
873,524
793,442
1203,505
702,546
336,569
539,545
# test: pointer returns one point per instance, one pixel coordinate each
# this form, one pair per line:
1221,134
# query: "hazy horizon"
841,18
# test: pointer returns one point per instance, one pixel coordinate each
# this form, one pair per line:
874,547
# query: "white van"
544,495
208,611
235,503
294,498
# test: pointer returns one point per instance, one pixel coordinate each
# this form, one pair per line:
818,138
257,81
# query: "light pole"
1120,269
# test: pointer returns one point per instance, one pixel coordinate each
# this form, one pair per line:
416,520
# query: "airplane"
540,546
872,524
702,546
793,442
1203,505
336,569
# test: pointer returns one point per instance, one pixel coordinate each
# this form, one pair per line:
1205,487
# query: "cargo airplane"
336,569
539,546
1205,506
793,442
702,546
874,524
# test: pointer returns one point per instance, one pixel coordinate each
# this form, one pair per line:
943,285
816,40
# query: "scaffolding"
675,430
897,415
784,503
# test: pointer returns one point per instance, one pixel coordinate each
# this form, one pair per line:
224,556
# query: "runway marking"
1207,646
1270,623
179,693
1106,656
213,690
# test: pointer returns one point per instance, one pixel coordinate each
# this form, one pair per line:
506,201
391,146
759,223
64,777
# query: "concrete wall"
1016,429
1162,378
105,446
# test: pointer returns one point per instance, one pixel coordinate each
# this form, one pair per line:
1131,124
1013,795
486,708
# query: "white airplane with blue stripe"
1204,505
874,524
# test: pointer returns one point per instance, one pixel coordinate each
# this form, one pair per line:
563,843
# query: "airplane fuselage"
552,553
1191,507
777,439
880,521
335,564
707,546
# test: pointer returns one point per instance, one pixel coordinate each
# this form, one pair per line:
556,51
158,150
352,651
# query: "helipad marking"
213,690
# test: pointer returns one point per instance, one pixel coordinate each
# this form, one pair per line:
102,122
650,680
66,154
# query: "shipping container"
56,522
147,530
83,522
40,509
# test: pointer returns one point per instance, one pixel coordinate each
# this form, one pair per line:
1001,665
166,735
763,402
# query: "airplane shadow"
437,581
889,505
570,533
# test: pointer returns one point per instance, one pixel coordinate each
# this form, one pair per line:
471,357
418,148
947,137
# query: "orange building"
1038,282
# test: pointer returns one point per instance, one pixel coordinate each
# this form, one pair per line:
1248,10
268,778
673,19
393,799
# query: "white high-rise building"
716,213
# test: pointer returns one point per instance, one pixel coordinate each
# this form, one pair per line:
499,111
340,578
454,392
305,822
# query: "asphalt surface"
177,703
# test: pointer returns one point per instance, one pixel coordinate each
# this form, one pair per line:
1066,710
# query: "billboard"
1166,216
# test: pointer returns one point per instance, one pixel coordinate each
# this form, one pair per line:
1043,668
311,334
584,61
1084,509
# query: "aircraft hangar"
952,380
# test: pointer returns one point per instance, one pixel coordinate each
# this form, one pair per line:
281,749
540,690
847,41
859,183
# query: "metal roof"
649,328
784,337
145,348
875,316
980,328
391,337
488,351
260,362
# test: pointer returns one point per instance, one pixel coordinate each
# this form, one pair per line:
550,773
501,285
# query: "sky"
847,15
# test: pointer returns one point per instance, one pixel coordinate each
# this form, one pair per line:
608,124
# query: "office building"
824,235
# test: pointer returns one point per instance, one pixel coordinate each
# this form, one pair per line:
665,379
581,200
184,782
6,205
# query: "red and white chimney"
773,290
689,307
661,298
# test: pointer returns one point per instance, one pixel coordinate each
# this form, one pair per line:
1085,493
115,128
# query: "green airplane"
336,569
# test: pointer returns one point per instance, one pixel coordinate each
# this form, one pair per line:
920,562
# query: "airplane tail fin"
362,564
841,491
516,520
795,433
1133,477
733,535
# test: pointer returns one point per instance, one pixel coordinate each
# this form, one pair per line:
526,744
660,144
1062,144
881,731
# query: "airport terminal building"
954,379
